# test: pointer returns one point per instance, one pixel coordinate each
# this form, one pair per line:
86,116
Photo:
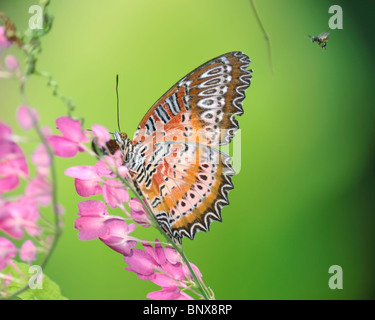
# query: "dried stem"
265,34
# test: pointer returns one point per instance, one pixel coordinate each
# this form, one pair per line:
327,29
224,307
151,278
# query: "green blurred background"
303,200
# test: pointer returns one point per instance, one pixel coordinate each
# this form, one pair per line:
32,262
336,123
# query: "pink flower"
12,165
111,164
117,236
40,157
40,190
42,160
164,268
156,262
11,62
28,251
8,183
100,134
138,213
86,180
123,171
172,255
5,132
187,273
170,293
15,217
27,117
7,252
114,193
103,170
91,223
69,144
4,42
141,263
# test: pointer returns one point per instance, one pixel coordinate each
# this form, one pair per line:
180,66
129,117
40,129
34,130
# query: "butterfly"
172,157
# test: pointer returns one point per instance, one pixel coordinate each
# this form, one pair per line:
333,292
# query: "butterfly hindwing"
188,187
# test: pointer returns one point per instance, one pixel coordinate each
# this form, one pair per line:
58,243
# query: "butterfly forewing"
202,105
183,178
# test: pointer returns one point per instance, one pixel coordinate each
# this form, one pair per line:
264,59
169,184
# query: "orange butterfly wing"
184,179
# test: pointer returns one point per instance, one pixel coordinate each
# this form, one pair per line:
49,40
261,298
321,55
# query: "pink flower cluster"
164,267
19,215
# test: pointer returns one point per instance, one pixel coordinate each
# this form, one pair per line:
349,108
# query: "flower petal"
90,228
39,189
71,129
11,62
87,188
82,172
4,42
141,262
8,251
117,236
172,255
91,223
40,156
12,160
92,208
63,147
101,135
5,132
28,251
9,183
114,193
27,117
138,213
172,293
164,281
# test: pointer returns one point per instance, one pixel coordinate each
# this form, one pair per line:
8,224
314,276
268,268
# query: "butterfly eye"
124,136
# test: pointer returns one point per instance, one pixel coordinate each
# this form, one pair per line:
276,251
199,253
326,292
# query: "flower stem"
177,247
57,228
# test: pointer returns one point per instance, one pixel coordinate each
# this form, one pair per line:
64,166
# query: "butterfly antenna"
118,105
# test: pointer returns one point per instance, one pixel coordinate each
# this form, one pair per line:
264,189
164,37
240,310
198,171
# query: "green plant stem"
54,201
56,91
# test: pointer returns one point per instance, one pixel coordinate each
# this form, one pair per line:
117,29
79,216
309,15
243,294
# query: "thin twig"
265,34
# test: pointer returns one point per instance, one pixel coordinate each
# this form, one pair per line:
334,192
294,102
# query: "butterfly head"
124,144
121,138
